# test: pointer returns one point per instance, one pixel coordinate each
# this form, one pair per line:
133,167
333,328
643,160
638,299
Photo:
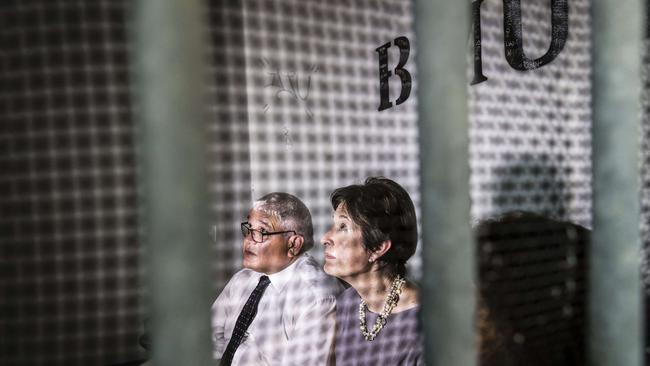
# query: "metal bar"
448,298
169,55
614,297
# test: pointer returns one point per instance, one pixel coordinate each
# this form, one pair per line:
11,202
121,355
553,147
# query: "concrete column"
448,293
614,295
170,121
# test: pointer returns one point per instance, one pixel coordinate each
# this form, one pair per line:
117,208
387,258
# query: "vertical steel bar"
169,55
614,296
448,298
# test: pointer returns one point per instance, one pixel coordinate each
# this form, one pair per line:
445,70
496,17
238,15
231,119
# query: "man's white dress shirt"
295,321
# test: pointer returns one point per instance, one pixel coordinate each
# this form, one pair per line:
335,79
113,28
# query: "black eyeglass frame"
247,229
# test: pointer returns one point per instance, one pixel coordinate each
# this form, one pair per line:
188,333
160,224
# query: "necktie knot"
264,281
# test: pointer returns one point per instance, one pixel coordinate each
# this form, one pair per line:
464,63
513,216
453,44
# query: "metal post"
614,296
169,55
448,298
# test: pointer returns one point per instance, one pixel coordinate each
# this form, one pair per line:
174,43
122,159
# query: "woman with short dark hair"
374,234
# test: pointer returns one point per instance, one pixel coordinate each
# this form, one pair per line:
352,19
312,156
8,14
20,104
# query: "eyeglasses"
259,236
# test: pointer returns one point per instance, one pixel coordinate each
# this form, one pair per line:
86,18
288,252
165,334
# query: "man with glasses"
281,308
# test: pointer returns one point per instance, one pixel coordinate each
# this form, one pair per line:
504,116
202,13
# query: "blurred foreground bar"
615,289
169,74
448,293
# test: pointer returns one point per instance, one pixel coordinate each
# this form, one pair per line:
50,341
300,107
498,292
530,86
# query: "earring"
371,259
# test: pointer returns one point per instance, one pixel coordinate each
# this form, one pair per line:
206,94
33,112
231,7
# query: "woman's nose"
325,240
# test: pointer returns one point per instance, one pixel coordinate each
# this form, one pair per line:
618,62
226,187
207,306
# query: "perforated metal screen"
293,96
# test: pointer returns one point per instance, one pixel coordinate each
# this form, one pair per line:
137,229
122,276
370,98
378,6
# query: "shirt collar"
280,279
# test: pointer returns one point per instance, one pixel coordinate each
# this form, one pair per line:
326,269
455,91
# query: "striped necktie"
244,320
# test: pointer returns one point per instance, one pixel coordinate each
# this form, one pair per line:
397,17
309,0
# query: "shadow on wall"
532,290
544,182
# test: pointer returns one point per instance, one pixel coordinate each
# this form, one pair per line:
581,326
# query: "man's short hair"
291,213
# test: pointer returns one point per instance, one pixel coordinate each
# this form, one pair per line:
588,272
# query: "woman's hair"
384,211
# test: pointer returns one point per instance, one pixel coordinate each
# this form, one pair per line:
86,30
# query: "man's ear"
381,250
295,245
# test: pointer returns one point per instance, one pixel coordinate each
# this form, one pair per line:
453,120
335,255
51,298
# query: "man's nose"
249,238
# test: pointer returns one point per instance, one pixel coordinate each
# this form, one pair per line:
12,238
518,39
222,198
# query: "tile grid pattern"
313,91
70,294
531,131
69,260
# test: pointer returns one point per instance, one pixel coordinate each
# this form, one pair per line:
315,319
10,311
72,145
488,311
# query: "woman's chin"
329,268
334,270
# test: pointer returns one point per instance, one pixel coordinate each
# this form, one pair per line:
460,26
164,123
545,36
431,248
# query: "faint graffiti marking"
288,142
290,84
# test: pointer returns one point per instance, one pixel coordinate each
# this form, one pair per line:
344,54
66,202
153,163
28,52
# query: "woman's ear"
295,245
381,250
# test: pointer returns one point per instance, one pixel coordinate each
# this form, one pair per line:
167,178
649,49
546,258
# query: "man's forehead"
263,216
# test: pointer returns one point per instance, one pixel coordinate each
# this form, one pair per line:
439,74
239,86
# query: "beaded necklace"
389,305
